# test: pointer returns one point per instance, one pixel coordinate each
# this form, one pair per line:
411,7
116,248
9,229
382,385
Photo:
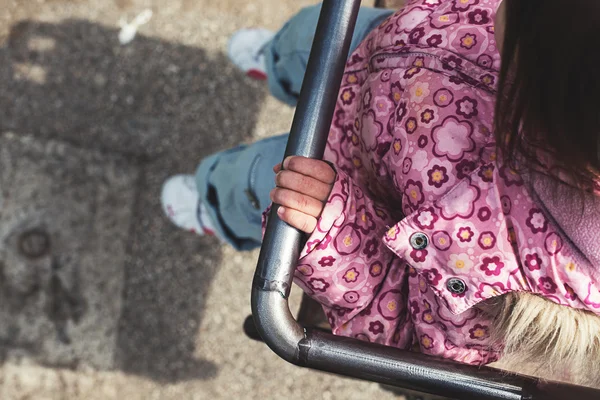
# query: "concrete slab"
65,216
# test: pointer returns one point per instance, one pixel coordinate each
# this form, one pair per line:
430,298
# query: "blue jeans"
235,184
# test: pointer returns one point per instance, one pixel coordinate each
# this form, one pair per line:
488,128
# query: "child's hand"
303,187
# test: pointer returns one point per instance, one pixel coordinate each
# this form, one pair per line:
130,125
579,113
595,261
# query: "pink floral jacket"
422,223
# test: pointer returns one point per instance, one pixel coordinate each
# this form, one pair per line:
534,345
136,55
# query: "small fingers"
316,169
297,201
303,184
297,219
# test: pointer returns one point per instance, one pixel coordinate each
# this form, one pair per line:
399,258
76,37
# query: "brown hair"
548,103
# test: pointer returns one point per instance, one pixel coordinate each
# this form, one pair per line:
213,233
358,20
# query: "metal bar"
409,370
282,245
308,137
422,373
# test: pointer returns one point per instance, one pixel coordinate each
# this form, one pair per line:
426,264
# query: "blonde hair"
547,340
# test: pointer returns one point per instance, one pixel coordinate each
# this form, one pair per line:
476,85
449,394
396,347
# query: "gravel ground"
118,304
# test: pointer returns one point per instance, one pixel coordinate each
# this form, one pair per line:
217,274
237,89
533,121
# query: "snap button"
419,241
456,286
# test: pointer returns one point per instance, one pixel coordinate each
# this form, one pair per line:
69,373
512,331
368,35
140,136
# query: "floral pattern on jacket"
422,223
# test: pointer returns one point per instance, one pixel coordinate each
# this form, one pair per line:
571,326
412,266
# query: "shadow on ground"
148,110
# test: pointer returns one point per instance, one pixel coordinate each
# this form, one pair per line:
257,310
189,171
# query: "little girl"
461,217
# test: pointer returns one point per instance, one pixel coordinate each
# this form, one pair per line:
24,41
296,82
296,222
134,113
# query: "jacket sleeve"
344,260
345,264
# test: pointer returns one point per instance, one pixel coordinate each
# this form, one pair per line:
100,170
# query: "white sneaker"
181,204
245,50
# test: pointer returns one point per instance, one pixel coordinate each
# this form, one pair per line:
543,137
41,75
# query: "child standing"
460,137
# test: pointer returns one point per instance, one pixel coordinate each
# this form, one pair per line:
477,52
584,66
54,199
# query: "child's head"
549,89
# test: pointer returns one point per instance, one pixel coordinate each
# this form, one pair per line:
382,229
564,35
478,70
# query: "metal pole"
308,137
282,245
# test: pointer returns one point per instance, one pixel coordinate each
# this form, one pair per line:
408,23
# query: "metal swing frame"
282,245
